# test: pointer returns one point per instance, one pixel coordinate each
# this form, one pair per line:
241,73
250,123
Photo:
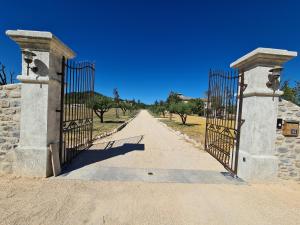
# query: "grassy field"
194,128
110,121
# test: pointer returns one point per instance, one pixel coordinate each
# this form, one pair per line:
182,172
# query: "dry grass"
110,121
194,127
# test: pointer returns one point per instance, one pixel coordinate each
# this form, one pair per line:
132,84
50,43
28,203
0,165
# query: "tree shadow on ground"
105,151
187,124
114,121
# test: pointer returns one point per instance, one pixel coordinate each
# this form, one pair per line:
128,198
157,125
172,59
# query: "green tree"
124,105
116,100
297,89
100,105
182,109
162,108
173,98
159,107
198,106
289,93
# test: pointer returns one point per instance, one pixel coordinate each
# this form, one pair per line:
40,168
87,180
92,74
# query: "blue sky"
148,48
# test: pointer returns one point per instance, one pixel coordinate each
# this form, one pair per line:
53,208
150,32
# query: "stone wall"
288,148
10,109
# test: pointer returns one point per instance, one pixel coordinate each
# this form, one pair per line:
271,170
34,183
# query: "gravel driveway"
146,146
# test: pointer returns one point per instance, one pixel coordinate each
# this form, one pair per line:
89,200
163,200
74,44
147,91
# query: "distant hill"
80,97
101,95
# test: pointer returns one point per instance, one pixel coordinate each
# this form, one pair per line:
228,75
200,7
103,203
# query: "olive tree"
125,106
101,105
183,109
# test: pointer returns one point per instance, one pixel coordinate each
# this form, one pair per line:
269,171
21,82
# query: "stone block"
6,147
289,140
12,140
4,103
11,86
14,94
3,95
16,117
15,103
14,134
284,161
9,111
298,114
293,174
282,109
6,118
282,149
280,137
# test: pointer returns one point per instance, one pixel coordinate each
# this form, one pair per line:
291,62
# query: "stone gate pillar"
257,160
40,98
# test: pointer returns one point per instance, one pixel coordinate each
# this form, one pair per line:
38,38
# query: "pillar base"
257,167
32,162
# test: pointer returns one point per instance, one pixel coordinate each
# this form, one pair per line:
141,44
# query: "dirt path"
186,188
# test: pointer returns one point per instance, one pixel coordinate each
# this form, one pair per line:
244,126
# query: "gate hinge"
243,86
242,121
59,73
58,110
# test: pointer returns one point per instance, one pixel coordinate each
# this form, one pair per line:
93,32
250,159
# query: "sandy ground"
35,201
71,200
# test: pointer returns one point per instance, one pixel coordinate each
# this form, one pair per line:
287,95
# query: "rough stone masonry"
288,148
10,109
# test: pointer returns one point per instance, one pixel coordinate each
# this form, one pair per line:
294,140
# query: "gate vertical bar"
239,122
62,96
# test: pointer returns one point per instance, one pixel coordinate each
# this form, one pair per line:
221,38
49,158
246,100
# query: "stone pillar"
40,98
257,160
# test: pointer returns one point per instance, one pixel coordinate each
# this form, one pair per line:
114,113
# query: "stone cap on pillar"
263,57
48,50
40,41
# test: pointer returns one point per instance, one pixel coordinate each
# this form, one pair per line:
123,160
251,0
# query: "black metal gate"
76,120
223,117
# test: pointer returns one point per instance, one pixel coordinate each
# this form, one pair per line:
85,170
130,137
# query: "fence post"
257,160
40,99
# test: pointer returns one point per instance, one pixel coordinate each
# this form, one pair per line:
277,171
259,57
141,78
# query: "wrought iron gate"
223,117
76,120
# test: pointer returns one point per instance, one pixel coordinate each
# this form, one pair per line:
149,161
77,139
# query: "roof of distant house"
187,98
182,97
